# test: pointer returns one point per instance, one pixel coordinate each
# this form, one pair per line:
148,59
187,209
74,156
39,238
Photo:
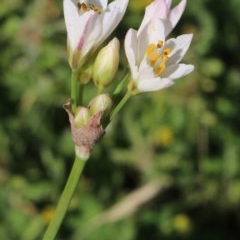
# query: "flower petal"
130,45
100,3
176,13
157,9
95,31
71,20
151,33
179,47
76,25
154,84
102,25
121,5
177,71
108,20
117,8
168,3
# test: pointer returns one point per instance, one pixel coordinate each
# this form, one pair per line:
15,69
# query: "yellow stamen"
152,58
164,57
84,7
157,58
167,51
159,69
95,9
79,6
150,49
159,44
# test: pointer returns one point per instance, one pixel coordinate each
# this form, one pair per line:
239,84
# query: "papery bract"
154,62
88,24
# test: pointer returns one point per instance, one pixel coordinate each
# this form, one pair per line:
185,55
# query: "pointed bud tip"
101,103
106,64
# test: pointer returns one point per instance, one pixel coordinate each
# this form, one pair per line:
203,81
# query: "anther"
152,58
159,44
167,51
159,69
164,57
79,6
95,9
150,49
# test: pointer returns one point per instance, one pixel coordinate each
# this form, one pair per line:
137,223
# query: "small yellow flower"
136,5
164,136
47,214
182,223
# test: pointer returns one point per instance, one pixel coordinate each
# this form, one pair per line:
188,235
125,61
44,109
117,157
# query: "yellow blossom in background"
164,136
136,5
47,214
182,223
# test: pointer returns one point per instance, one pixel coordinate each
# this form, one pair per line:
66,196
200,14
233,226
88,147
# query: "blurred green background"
168,167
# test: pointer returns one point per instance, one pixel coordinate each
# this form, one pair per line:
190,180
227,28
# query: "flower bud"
102,102
106,64
85,74
82,116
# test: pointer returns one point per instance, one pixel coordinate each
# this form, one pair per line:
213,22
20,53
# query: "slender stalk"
122,82
74,91
65,199
80,89
120,105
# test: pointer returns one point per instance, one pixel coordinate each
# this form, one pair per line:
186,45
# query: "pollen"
159,44
95,9
167,51
165,54
157,57
164,57
82,7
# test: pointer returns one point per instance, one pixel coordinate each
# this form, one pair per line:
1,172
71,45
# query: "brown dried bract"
85,137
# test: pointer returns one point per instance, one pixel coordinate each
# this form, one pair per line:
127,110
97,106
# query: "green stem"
122,82
80,90
120,105
65,199
74,91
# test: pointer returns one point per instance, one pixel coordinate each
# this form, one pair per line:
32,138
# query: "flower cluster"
153,59
153,64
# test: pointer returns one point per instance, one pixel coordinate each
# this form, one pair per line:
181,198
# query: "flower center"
83,7
157,57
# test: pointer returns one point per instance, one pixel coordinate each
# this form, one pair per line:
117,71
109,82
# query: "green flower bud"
106,64
102,102
82,116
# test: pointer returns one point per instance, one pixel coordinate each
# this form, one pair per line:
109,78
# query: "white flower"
154,62
161,9
88,24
